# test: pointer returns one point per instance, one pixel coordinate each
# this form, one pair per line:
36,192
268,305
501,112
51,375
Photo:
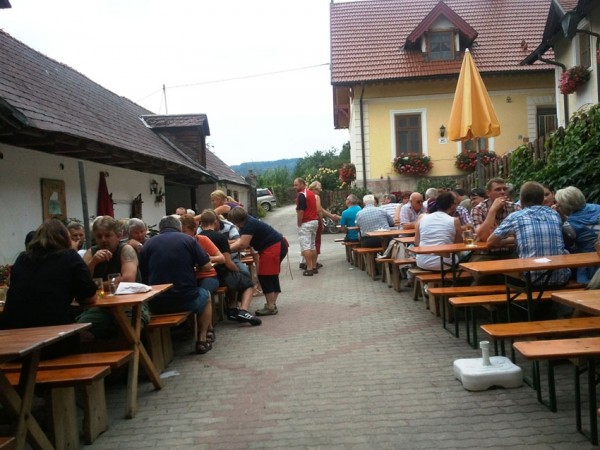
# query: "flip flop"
203,347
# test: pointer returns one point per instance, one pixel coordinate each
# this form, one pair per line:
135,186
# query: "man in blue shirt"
174,257
348,218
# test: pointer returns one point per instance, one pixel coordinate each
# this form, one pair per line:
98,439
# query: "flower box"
412,164
467,161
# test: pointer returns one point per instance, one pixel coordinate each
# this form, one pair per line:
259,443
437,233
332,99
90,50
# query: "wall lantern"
442,131
153,187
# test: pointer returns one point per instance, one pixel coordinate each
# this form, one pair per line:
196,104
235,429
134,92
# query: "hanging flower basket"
412,164
347,174
467,161
572,79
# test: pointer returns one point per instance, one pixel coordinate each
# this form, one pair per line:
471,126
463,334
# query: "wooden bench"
433,279
489,302
219,304
61,408
114,360
158,336
366,259
8,443
396,264
349,255
557,349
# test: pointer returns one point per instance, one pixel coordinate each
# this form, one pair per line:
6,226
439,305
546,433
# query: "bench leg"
155,348
95,416
61,411
167,345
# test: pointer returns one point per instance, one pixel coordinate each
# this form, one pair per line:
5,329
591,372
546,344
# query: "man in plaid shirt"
489,214
536,231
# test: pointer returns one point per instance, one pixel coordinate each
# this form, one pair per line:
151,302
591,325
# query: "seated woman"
437,228
207,280
222,204
583,220
45,279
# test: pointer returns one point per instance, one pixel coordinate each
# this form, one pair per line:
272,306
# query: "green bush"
573,157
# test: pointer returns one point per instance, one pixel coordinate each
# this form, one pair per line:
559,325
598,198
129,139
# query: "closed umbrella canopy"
472,115
105,203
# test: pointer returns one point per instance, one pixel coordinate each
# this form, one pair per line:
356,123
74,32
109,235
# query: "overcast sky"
209,54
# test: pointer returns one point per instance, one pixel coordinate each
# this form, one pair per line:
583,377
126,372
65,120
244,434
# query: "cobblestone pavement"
348,363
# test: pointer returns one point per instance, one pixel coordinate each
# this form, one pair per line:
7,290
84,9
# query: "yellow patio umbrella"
472,114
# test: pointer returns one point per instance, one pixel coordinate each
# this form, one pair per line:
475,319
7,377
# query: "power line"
244,77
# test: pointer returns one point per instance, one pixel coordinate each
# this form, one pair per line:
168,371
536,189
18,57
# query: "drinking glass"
468,238
99,287
113,282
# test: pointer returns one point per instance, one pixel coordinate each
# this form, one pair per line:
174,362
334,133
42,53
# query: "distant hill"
259,167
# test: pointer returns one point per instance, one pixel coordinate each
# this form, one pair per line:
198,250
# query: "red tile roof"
367,37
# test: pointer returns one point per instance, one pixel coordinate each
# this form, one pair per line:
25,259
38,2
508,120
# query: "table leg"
20,406
132,329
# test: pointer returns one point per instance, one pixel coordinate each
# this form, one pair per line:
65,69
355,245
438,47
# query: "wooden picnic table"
443,250
132,330
521,268
586,301
27,343
389,233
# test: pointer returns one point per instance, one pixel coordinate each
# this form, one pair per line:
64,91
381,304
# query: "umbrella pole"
479,167
84,205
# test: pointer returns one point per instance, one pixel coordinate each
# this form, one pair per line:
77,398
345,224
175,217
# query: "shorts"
237,281
307,235
194,303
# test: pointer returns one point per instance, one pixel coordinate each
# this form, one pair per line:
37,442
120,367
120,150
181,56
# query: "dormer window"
440,45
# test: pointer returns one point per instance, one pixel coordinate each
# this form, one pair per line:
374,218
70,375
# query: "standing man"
307,220
407,215
174,257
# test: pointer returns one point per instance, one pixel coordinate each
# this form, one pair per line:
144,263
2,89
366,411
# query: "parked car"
265,198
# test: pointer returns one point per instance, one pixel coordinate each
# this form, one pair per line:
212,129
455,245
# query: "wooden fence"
501,167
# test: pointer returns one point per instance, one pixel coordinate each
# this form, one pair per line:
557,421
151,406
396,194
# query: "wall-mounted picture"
54,201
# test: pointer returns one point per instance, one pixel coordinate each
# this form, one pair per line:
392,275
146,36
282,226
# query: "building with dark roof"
60,130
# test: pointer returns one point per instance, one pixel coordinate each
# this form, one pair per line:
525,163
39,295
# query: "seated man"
371,218
137,234
348,218
174,257
108,256
229,274
536,231
406,216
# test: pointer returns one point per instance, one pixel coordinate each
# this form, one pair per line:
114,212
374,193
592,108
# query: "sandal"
307,273
203,347
211,336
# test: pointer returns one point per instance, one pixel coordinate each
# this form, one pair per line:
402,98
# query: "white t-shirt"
435,229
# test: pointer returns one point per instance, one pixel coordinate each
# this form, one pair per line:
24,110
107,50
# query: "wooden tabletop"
131,299
587,301
559,348
390,233
15,343
448,248
405,240
533,264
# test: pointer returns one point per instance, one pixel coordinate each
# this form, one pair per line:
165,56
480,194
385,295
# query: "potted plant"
347,174
572,79
412,164
467,161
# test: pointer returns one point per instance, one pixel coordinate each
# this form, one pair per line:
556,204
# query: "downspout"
362,137
565,96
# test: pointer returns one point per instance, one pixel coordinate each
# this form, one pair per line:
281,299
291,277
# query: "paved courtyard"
348,363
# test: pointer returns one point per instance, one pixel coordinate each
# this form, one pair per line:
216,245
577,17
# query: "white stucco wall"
21,199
